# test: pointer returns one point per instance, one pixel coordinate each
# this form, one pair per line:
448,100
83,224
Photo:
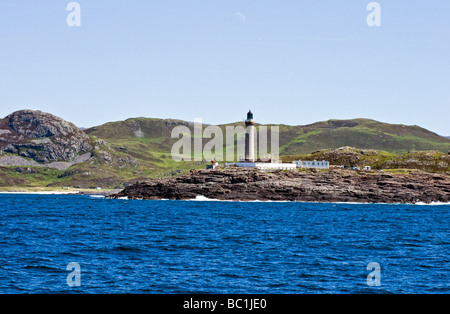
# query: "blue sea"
184,247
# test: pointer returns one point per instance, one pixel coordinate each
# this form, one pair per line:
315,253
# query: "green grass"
395,147
364,134
37,177
432,161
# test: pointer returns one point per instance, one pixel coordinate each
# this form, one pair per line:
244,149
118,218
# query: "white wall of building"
322,164
266,166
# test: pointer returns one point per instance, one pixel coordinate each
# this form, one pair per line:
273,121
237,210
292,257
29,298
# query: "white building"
312,164
266,165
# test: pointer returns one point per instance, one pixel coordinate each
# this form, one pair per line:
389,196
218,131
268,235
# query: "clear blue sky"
290,61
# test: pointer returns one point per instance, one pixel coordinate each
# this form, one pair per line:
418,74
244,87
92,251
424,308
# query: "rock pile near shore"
336,185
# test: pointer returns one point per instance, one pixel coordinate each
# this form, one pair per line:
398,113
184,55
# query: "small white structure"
312,164
367,168
266,165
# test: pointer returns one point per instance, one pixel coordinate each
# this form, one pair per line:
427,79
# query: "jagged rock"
42,137
330,186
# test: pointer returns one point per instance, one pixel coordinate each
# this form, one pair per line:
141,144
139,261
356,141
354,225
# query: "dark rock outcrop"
42,137
331,186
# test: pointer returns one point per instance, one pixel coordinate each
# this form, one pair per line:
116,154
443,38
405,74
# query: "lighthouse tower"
250,154
250,138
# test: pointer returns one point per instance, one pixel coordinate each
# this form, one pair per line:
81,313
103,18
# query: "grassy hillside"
359,133
146,140
140,148
430,161
149,140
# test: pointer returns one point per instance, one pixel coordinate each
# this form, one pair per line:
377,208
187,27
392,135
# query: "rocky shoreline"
335,185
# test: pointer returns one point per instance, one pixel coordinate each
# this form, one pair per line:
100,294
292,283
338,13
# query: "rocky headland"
335,185
35,138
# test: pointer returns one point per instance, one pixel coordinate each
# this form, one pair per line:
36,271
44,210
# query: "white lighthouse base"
266,165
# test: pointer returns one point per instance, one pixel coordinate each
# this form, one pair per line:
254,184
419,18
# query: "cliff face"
331,186
42,137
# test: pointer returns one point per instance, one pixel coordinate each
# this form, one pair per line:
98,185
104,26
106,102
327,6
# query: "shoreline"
43,191
251,185
201,198
334,186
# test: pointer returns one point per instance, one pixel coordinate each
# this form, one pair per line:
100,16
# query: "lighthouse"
251,160
250,138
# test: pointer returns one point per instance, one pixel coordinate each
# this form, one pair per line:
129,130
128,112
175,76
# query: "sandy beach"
43,191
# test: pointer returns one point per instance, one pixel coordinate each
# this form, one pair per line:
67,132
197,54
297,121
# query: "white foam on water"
270,201
432,203
201,198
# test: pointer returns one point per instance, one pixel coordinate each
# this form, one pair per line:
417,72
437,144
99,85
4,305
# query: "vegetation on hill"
144,135
360,133
137,149
430,161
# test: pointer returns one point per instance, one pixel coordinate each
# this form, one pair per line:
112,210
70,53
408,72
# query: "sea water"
174,247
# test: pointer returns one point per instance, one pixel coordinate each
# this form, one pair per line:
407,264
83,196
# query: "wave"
268,201
201,198
432,203
126,248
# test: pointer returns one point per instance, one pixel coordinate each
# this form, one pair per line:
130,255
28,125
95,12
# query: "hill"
140,136
39,137
359,133
429,161
39,149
